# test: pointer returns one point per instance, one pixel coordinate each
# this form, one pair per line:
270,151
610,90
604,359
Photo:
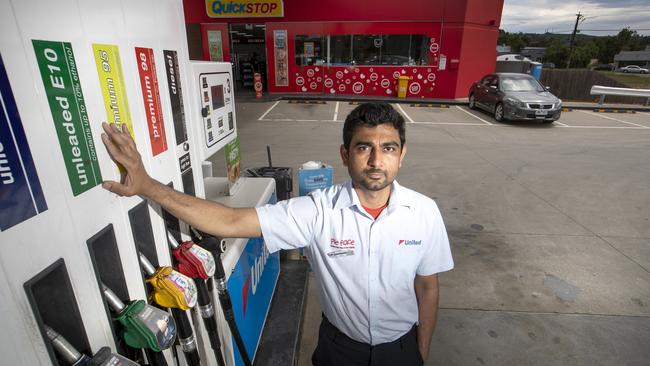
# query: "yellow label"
111,79
244,8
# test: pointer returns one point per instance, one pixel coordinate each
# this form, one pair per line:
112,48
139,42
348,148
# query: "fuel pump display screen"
216,103
217,97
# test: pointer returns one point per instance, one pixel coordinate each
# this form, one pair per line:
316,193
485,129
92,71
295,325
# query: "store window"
395,50
310,50
340,50
366,49
419,50
362,49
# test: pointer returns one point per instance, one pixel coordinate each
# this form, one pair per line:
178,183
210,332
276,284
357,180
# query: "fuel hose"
226,306
217,247
184,329
206,308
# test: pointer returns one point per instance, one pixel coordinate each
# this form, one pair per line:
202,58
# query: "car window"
485,80
521,84
494,81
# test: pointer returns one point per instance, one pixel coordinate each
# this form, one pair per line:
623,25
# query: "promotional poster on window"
281,59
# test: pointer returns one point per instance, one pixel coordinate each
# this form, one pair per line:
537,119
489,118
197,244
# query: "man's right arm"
207,216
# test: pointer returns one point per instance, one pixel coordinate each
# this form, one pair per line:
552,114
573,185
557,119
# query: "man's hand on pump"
207,216
122,149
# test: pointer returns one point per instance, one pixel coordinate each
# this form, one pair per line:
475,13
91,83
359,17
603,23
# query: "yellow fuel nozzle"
171,289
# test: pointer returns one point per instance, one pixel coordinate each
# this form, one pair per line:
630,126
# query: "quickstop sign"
258,84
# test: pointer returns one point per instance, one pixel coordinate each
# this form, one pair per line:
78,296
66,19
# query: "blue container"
314,178
536,70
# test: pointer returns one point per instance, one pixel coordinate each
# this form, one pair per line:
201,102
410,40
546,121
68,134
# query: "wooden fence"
575,85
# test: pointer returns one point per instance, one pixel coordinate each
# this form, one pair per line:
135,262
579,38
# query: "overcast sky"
559,16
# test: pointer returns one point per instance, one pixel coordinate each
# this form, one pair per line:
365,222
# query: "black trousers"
337,349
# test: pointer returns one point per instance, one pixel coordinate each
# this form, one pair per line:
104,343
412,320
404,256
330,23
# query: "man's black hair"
372,115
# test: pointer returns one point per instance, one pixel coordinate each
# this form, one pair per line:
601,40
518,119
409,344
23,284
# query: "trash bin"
402,86
283,177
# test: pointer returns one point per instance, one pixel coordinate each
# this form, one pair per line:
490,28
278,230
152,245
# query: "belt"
334,334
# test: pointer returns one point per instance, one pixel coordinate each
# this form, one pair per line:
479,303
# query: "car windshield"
520,84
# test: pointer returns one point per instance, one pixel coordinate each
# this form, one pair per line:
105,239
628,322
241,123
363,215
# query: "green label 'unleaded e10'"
61,81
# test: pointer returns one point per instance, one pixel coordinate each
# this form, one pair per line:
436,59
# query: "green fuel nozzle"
144,325
104,357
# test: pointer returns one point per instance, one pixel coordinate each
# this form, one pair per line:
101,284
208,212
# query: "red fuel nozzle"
193,261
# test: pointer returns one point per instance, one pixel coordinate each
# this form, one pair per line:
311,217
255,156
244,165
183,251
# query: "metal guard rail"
627,92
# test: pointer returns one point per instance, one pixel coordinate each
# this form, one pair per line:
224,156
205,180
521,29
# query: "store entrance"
248,54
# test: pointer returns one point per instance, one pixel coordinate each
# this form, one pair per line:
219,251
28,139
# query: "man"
375,246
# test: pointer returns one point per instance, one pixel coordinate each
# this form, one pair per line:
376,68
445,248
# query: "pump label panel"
252,284
151,98
61,81
21,195
111,80
175,95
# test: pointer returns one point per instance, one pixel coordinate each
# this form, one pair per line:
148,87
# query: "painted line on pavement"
613,119
472,114
336,111
268,110
404,113
449,123
608,127
561,124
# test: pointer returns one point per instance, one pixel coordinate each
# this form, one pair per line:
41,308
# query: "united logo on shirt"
410,242
343,243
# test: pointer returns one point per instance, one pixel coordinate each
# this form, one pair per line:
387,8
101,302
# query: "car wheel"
472,102
498,113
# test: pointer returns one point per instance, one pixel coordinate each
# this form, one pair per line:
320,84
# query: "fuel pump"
104,357
198,263
144,325
217,247
177,292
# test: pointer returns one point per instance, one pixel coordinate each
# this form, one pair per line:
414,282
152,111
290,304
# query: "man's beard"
372,184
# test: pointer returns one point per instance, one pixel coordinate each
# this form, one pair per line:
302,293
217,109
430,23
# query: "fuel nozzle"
171,289
67,351
198,263
144,325
193,261
104,357
176,291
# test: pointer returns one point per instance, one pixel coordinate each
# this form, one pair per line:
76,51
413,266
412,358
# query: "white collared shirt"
365,268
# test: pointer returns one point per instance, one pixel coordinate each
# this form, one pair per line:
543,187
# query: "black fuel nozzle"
66,350
104,357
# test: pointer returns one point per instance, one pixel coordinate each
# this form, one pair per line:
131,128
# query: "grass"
636,81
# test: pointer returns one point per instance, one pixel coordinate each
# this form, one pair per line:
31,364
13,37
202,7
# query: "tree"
624,39
557,53
583,55
516,41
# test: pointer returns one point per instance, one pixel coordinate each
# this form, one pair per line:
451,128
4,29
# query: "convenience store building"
349,47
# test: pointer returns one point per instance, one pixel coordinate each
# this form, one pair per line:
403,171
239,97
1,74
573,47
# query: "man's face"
374,156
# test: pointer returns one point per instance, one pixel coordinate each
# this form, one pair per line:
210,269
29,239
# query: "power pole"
579,19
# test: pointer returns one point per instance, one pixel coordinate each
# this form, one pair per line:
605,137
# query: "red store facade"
356,47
